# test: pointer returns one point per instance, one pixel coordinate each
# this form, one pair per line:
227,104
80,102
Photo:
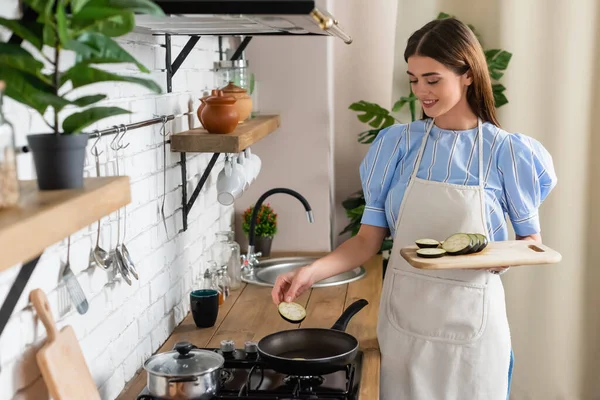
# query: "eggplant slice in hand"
292,312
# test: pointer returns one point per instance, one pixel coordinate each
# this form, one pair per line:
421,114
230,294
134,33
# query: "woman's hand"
536,237
292,284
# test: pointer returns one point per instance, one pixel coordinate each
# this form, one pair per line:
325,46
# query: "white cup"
230,182
254,163
246,167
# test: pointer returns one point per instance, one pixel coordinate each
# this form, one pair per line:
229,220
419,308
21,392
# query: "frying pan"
312,351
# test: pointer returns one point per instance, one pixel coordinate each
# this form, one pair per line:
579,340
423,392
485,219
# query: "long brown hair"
452,43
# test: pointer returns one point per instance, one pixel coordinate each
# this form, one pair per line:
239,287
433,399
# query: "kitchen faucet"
250,260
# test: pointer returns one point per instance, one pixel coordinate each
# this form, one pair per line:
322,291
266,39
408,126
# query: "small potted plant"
266,228
85,28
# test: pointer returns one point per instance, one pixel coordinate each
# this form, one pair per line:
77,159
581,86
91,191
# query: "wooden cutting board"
509,253
60,359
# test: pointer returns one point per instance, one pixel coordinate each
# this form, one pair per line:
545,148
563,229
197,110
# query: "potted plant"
379,118
85,28
266,228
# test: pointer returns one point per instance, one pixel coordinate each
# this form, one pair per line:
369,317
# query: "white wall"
293,81
124,325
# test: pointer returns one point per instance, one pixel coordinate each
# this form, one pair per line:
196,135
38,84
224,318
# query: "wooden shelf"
46,217
245,135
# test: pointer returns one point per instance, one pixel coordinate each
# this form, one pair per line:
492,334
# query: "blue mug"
204,304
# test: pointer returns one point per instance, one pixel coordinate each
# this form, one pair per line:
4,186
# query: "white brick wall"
124,324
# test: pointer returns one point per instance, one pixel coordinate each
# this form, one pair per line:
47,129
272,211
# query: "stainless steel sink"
266,272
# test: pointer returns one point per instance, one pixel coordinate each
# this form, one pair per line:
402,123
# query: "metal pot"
184,373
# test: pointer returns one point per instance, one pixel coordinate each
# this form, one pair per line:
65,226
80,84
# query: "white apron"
443,335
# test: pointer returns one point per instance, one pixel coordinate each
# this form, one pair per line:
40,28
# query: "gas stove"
246,377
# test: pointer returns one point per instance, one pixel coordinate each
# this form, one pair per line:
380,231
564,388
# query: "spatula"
60,359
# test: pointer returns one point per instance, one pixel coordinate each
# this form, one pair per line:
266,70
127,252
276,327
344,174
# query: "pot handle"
348,313
183,379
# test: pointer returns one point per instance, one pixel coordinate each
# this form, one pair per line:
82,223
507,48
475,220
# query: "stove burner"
307,382
226,377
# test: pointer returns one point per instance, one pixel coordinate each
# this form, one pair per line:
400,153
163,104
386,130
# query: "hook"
163,130
94,149
112,143
122,136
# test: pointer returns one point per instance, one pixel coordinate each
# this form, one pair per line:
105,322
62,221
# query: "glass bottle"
9,182
235,71
223,282
226,252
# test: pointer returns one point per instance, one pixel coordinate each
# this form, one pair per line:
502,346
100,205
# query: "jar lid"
232,88
185,360
220,100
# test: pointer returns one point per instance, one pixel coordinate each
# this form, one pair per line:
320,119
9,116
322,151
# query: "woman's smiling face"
438,88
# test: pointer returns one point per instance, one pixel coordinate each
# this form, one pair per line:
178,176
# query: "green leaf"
374,114
61,23
443,15
77,5
496,75
29,90
135,6
81,75
118,25
30,31
110,22
42,7
499,97
388,121
369,136
88,100
94,48
386,245
49,36
78,121
14,56
497,59
399,104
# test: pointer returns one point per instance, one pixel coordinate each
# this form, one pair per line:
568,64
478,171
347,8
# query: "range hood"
242,17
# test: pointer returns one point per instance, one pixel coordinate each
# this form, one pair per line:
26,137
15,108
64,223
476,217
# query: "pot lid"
232,88
185,360
220,100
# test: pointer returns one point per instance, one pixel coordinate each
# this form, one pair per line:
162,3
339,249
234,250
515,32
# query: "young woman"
443,335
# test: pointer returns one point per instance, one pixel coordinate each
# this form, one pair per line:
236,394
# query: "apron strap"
421,150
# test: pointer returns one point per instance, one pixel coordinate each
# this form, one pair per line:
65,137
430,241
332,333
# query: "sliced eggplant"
427,243
292,312
431,253
483,242
476,243
458,244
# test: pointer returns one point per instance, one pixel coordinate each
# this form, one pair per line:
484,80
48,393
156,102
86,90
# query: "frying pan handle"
348,313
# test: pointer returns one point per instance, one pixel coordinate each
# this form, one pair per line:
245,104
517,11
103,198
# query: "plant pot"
263,244
58,160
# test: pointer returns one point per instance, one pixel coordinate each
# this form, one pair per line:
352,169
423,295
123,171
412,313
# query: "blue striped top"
519,173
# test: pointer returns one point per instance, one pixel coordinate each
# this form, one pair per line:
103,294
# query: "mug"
253,162
246,167
204,305
231,182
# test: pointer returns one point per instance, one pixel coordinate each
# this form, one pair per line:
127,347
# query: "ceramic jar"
243,103
218,114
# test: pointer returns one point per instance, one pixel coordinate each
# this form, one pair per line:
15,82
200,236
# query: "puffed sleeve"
377,170
527,173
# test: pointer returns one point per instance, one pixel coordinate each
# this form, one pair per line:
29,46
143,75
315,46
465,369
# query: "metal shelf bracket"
185,203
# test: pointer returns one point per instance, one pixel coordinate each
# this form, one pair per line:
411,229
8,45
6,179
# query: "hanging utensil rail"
129,127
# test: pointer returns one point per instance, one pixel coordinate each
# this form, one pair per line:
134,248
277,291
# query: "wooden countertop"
249,314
